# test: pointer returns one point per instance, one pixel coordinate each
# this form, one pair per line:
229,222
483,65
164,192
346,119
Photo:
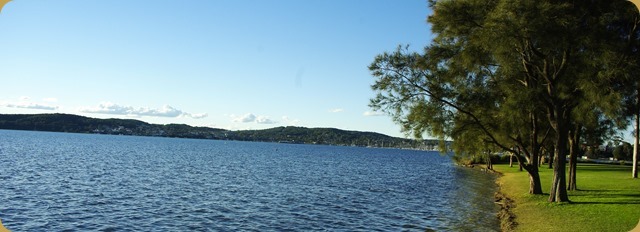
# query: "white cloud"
109,108
115,109
244,118
197,116
336,110
30,105
248,118
166,111
264,120
373,113
25,103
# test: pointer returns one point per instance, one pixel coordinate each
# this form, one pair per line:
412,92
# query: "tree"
630,84
632,102
623,151
506,71
634,108
633,111
442,93
596,126
635,143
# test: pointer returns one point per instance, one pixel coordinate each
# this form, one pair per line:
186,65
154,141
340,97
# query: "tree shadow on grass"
594,190
605,203
611,197
607,192
603,167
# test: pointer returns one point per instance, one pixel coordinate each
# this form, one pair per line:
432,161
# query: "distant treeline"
329,136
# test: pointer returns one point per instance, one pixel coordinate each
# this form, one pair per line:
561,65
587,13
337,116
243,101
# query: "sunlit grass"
608,199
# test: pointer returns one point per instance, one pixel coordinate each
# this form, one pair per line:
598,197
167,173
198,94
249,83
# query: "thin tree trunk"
572,173
520,165
489,163
558,192
510,159
551,156
574,138
540,161
634,171
534,177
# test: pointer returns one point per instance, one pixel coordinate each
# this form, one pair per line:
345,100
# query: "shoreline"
505,215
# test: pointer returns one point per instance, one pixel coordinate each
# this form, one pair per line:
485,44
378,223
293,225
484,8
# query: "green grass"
608,199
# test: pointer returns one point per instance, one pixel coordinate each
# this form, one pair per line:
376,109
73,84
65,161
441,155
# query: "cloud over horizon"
115,109
248,118
30,105
197,116
26,103
336,110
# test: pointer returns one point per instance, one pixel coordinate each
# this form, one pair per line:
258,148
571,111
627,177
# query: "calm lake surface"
83,182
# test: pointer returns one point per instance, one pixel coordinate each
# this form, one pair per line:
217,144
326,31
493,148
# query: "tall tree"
628,24
591,121
635,113
508,71
636,140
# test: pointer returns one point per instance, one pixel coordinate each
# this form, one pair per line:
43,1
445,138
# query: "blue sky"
225,64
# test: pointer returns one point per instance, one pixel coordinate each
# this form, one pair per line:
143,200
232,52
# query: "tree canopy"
512,75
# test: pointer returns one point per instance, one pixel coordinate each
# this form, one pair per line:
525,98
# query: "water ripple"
74,182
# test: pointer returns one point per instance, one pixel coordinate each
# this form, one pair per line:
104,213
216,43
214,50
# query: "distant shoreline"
300,135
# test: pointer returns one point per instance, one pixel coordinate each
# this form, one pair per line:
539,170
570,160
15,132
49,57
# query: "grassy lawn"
608,199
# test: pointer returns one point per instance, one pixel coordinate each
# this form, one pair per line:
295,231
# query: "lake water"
83,182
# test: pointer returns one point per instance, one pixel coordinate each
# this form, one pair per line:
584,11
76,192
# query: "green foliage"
505,75
624,151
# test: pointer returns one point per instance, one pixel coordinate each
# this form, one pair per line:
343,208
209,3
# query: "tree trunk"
489,163
636,133
574,146
535,187
520,165
541,161
534,177
521,160
572,173
510,159
558,192
634,171
551,156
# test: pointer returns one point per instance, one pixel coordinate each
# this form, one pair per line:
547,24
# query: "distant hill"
80,124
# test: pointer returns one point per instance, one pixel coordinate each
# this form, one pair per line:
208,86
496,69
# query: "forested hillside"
80,124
